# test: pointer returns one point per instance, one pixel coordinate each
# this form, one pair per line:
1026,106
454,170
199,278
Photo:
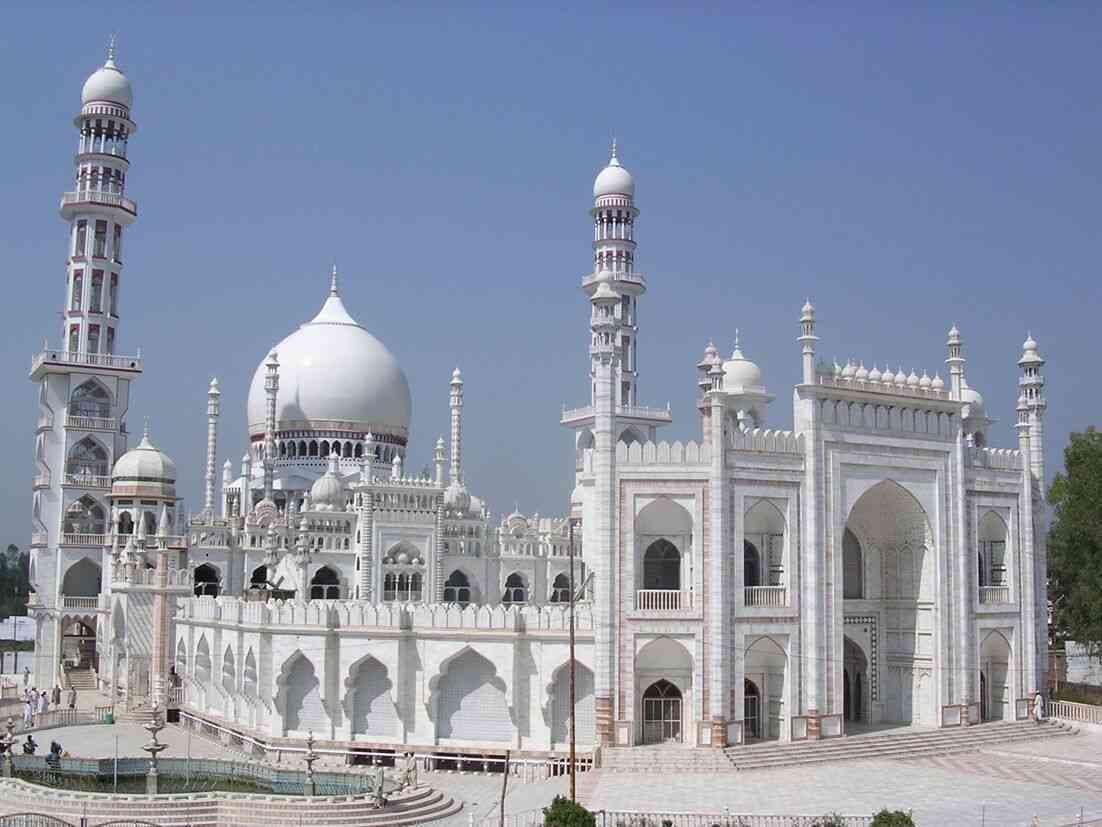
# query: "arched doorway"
207,581
888,552
995,690
662,713
765,668
325,585
855,671
751,709
457,588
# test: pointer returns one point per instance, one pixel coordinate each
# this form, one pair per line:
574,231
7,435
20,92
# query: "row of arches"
324,448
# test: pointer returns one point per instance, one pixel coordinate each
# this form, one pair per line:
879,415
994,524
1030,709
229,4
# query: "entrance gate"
662,713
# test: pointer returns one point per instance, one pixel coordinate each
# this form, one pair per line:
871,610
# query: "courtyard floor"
1008,786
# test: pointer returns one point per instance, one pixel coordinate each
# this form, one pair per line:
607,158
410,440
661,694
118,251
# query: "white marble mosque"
878,563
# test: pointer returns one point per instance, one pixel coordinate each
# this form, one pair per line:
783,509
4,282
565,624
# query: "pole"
188,764
504,788
116,763
573,741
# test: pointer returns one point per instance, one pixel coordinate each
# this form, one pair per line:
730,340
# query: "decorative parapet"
767,441
1009,459
662,453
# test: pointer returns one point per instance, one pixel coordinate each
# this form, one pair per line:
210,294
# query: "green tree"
565,813
892,818
1075,543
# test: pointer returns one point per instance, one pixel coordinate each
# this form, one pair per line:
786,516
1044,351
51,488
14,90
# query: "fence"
634,818
63,717
1080,713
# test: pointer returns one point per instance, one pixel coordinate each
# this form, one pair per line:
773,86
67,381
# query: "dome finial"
145,429
613,159
333,282
111,50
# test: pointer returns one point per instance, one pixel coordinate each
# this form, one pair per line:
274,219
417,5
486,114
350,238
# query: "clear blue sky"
905,167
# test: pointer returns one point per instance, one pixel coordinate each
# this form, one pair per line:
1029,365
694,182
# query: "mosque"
878,563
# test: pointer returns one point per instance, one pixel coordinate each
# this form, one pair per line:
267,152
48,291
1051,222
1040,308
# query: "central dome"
334,376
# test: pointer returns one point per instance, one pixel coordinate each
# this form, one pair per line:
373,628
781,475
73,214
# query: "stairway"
83,680
663,758
910,743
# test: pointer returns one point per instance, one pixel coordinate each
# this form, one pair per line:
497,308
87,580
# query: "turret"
1032,383
955,363
213,410
438,458
456,404
807,341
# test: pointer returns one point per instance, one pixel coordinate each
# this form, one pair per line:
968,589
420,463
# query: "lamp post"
573,737
309,788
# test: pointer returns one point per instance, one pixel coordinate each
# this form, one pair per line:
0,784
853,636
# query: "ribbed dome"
333,374
614,179
108,83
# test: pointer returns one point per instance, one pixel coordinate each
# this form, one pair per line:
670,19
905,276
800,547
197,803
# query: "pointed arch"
585,722
91,398
229,671
202,661
516,589
181,657
457,588
299,696
207,580
325,584
472,702
369,702
88,458
82,579
85,516
560,588
249,676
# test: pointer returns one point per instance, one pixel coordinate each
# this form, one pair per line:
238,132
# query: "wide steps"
891,746
81,679
663,759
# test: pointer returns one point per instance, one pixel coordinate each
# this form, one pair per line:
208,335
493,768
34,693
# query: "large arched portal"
662,713
661,664
766,668
472,703
995,701
855,676
585,721
889,533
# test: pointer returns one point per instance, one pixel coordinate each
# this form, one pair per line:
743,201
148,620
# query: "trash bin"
109,718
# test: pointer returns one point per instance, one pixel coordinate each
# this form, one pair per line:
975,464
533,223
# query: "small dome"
973,402
900,378
144,463
328,492
924,382
849,370
108,84
861,374
614,179
456,497
740,373
874,374
807,310
605,292
938,383
954,335
912,380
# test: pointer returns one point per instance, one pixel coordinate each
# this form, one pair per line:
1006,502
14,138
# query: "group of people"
37,704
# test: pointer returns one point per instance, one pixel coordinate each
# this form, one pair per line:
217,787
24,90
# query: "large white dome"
334,375
614,179
108,83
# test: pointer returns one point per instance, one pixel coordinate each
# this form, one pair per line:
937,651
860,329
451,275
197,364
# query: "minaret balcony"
96,198
93,481
91,423
75,602
39,539
638,279
638,413
41,481
80,539
994,595
43,361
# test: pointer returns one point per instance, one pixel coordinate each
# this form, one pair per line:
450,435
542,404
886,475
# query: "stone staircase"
892,744
83,680
903,744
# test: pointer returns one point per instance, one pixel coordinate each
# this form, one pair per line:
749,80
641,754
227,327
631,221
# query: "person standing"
1038,708
28,712
26,676
55,696
43,707
72,697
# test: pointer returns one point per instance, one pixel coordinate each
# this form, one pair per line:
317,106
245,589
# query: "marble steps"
910,744
663,758
82,679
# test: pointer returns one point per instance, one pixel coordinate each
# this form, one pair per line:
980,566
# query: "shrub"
566,813
892,818
829,820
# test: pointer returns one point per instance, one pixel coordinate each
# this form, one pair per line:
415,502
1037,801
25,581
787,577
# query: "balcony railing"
81,539
68,602
994,594
769,597
42,481
39,538
91,423
94,360
633,411
614,275
107,199
662,600
87,481
45,421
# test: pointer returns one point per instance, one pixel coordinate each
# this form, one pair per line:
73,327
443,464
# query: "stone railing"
87,481
91,423
1070,711
645,412
614,275
662,600
95,360
662,453
71,539
148,577
994,594
108,199
882,387
68,602
1008,459
767,441
41,481
39,538
769,597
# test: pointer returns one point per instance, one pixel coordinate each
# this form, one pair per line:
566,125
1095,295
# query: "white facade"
878,563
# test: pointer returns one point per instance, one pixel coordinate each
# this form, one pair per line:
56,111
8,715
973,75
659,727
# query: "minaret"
614,215
271,391
213,409
807,340
227,479
1033,384
955,363
456,471
438,458
98,212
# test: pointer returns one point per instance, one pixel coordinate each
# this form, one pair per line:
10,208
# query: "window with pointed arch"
87,459
515,590
85,516
560,589
457,588
90,399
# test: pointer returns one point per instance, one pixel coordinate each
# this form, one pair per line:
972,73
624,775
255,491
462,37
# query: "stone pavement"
99,742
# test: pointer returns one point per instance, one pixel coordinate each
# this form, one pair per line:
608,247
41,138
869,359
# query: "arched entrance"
889,555
751,709
995,689
855,672
325,585
207,581
662,713
765,668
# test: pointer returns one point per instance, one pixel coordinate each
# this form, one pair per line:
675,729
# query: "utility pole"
573,741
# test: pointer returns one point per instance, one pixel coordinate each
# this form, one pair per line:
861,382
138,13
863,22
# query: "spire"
738,350
111,50
333,291
613,161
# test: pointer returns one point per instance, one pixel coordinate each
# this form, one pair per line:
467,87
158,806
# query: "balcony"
627,278
662,600
87,481
45,422
994,594
102,199
571,416
68,602
91,423
41,481
766,597
71,539
69,358
39,538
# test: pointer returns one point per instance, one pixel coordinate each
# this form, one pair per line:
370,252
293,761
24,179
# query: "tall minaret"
614,215
955,363
271,390
213,409
807,342
1033,384
456,470
84,386
98,212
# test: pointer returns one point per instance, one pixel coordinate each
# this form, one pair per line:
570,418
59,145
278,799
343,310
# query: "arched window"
90,399
325,585
85,516
359,452
313,448
992,536
662,566
259,578
853,568
126,523
751,565
560,589
346,451
207,581
325,447
87,459
515,590
415,587
457,588
302,447
390,587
